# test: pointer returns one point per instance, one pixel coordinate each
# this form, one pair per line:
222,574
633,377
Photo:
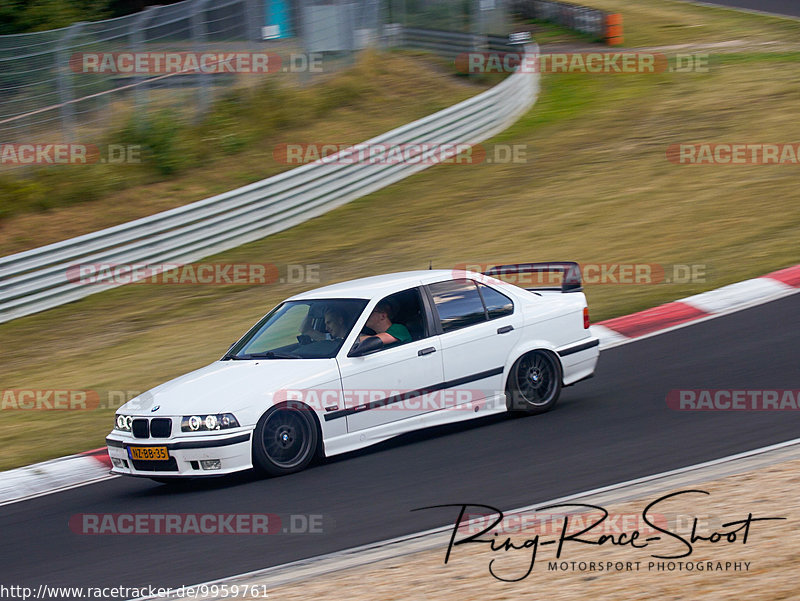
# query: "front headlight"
207,423
123,423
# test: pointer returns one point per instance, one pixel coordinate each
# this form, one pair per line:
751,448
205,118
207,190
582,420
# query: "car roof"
382,285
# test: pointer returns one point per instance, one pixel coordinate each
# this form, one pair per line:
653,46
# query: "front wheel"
284,441
534,383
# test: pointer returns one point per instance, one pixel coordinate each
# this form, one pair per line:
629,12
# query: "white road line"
60,489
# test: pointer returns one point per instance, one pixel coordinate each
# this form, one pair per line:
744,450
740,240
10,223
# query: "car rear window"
458,303
497,303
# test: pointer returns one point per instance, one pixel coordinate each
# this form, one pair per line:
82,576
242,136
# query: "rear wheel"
534,383
284,441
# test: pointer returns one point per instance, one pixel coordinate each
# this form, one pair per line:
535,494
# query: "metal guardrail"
573,16
37,279
450,44
444,43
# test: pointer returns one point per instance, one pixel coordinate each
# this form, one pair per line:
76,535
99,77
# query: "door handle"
504,329
426,351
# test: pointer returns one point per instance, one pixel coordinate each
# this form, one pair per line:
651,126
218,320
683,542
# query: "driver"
335,323
335,326
380,322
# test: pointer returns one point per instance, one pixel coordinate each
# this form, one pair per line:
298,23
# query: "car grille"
140,428
160,427
170,465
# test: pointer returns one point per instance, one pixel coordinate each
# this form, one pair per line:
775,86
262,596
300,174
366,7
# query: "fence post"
137,45
64,83
477,17
199,35
479,38
255,19
345,29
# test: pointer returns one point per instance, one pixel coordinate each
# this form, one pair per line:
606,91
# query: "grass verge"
672,22
233,146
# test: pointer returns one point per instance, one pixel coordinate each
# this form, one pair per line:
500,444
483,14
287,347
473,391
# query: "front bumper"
186,455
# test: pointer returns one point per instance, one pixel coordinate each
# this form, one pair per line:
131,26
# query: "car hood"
239,387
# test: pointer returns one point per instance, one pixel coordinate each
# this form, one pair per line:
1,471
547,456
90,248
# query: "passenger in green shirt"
380,322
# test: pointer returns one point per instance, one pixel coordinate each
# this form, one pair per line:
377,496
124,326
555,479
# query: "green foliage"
24,16
162,138
172,142
342,92
18,195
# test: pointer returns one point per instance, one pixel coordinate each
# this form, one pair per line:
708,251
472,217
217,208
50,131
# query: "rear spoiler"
569,270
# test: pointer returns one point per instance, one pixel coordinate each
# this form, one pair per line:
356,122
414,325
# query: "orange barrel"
614,30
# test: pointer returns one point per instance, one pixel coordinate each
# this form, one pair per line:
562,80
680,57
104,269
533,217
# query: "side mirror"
366,346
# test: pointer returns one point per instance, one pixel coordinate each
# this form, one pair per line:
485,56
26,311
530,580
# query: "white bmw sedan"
348,365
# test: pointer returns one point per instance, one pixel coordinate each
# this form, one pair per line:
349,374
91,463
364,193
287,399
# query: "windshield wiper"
272,355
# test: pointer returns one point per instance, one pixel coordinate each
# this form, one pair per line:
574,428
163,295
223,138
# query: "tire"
285,441
534,383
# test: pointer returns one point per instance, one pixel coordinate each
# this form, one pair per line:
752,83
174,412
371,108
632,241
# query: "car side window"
497,303
405,313
458,303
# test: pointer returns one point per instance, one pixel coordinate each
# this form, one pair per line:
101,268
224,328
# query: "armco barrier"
573,16
36,279
451,44
443,43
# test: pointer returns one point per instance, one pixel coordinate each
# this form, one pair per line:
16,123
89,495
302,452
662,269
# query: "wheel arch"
531,346
303,406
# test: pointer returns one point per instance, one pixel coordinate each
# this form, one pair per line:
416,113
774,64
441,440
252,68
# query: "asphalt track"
612,428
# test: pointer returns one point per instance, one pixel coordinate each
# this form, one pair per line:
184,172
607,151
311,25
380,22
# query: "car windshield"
303,329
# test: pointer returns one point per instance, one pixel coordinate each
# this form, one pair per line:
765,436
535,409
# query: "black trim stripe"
190,444
411,394
578,347
203,444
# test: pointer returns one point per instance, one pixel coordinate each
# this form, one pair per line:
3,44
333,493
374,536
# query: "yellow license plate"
149,453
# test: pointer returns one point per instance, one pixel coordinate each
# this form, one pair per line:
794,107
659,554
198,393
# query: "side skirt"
363,438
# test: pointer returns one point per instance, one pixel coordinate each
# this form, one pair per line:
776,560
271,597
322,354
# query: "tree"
23,16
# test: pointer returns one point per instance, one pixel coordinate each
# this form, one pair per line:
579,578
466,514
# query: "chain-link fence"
86,77
77,82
